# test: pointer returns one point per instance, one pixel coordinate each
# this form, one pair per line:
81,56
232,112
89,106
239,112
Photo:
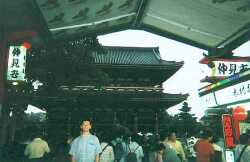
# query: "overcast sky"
187,79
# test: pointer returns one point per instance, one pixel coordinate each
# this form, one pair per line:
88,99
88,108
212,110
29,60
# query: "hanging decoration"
16,63
228,131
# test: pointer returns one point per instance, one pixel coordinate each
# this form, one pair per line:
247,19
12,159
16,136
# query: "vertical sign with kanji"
228,130
16,63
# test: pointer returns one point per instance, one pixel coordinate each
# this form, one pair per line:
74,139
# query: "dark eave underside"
200,23
85,95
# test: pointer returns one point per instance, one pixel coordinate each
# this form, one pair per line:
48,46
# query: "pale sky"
187,79
33,109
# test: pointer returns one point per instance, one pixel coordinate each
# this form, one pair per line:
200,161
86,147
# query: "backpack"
118,151
104,149
241,153
131,156
217,157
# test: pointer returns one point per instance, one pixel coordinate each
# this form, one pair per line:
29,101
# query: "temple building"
121,86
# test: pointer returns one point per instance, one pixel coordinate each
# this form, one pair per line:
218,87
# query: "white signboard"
238,92
229,156
16,63
208,100
225,68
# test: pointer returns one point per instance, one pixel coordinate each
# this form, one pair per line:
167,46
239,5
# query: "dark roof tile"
129,56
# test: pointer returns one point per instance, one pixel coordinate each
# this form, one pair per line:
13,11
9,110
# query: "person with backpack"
176,145
118,148
159,150
244,155
133,151
218,151
169,155
107,154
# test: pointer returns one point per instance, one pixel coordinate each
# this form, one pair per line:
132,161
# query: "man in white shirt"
86,147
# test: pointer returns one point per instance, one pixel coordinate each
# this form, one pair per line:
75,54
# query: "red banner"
228,130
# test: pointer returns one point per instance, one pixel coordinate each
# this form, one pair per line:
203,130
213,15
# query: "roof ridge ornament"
57,18
243,8
105,9
50,4
75,1
126,4
82,14
222,1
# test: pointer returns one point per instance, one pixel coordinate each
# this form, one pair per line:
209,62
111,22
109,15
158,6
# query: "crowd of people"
132,148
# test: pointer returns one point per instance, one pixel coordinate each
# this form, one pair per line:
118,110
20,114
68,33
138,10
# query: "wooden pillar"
4,126
3,52
1,109
3,65
69,124
115,118
136,122
92,118
4,116
12,124
156,123
49,122
46,126
125,119
9,123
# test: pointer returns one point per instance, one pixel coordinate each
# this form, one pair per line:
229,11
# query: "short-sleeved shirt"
85,148
177,146
170,154
107,153
204,151
36,149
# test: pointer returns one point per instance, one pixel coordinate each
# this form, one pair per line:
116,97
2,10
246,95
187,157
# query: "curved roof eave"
203,24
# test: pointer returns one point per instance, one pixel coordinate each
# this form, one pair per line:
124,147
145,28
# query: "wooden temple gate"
130,95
